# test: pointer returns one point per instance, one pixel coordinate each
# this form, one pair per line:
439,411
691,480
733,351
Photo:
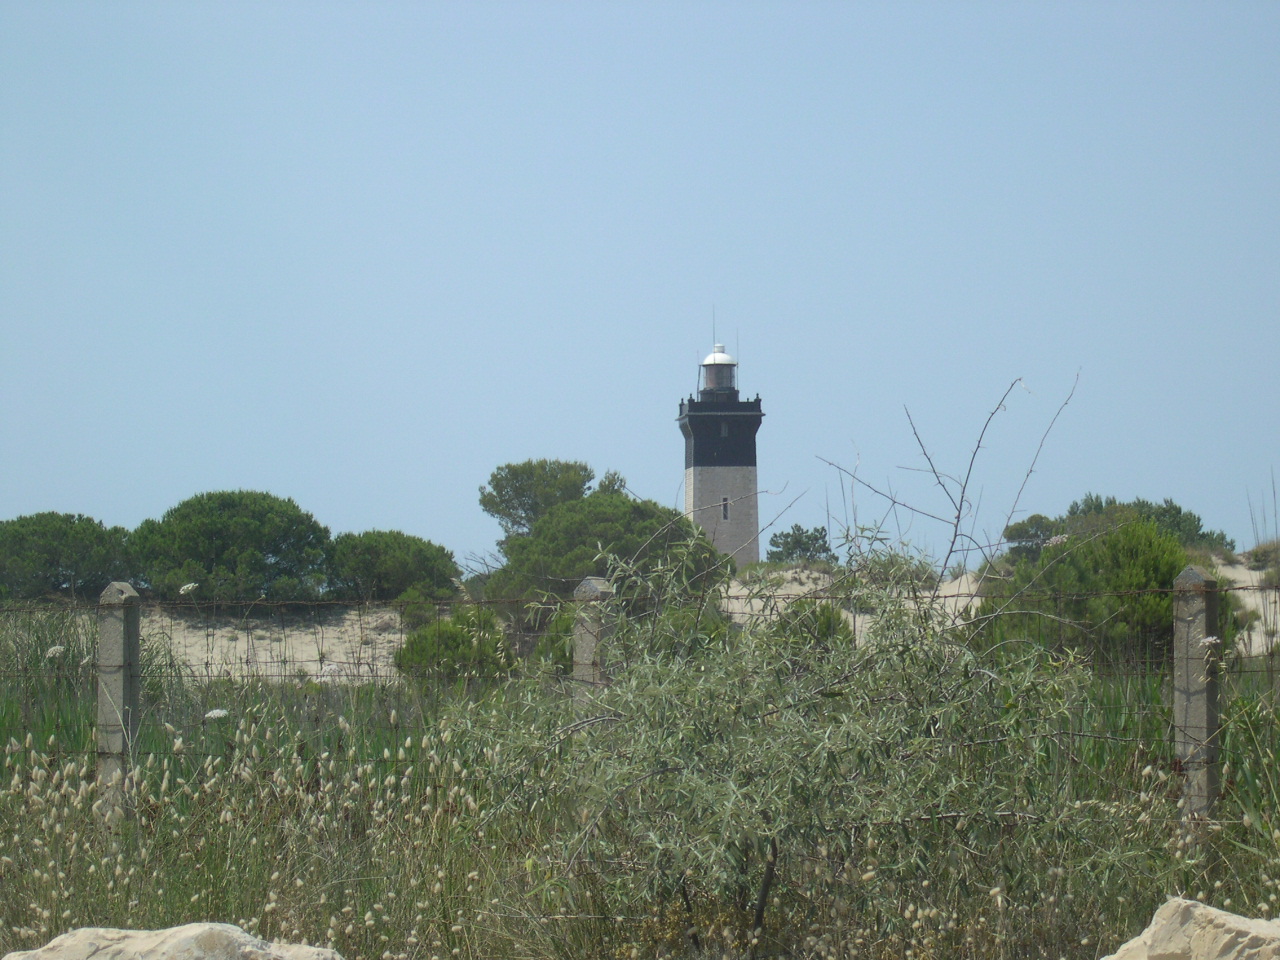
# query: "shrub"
574,540
419,606
817,622
470,643
1264,555
800,545
733,779
554,647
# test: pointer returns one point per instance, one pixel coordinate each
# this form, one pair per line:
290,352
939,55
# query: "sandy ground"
1245,585
326,643
747,604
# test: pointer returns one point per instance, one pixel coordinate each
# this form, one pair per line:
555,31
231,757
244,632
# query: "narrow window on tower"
724,429
724,508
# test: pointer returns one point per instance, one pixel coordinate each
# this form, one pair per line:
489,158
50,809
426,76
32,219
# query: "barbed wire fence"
118,684
127,676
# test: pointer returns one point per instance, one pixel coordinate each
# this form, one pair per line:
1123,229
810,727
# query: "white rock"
195,941
1187,930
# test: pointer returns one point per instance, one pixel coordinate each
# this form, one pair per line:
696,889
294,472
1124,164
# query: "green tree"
800,545
64,554
518,494
1094,513
1185,525
574,539
237,545
1102,591
383,564
1027,538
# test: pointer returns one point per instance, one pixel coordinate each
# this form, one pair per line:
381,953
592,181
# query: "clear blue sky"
361,254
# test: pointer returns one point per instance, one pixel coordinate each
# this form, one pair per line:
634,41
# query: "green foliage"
1027,537
383,564
60,554
1265,556
1104,592
237,545
49,680
666,620
611,482
574,540
895,572
519,494
716,770
800,545
1096,578
554,646
1184,525
1093,513
418,608
876,571
817,622
921,798
469,643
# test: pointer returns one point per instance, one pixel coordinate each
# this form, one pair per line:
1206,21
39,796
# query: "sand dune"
326,643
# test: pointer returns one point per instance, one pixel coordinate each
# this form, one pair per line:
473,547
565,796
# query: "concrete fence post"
1196,655
119,629
590,630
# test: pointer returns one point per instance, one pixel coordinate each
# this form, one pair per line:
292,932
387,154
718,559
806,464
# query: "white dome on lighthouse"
718,357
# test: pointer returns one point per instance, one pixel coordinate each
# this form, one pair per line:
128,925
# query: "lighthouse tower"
720,459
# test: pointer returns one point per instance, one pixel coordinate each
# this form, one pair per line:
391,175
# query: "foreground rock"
195,941
1187,930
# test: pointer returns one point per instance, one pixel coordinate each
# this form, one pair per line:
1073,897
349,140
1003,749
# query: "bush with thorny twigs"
737,789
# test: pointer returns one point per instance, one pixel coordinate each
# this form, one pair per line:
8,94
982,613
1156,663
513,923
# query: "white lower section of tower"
722,500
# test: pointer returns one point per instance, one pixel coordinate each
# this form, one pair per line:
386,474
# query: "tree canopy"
800,545
383,564
237,545
1093,513
571,540
519,494
1104,590
63,554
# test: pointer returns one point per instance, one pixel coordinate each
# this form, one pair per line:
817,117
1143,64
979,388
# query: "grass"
1033,814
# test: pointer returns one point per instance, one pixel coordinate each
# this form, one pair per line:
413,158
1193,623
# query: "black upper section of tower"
720,433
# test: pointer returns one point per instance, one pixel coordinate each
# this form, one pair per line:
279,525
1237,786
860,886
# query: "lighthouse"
720,459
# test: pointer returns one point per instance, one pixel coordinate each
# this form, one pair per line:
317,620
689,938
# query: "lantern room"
719,371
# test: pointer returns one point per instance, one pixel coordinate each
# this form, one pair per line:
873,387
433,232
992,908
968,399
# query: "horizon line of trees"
241,546
229,545
559,526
